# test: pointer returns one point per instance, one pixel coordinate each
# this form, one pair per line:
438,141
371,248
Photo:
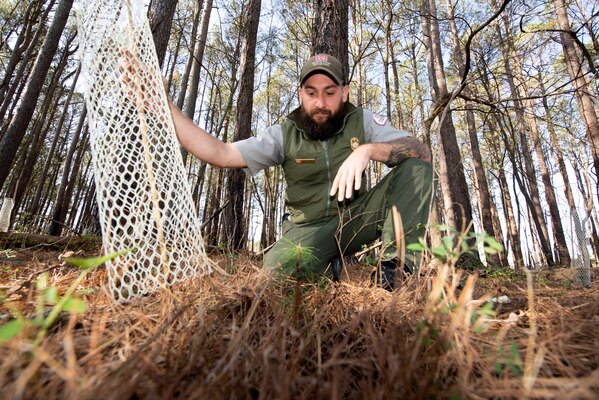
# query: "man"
324,147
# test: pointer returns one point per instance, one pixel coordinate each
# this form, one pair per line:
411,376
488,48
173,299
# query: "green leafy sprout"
71,300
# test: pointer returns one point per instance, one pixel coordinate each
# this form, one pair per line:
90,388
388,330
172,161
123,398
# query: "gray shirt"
266,149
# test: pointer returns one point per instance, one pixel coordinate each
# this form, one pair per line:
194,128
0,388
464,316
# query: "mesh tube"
5,213
143,195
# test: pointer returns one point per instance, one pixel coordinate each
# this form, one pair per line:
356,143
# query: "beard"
321,130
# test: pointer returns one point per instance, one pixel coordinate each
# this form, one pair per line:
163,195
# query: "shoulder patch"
379,119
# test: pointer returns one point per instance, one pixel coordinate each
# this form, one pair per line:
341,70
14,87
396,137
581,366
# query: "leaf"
498,368
84,292
416,247
11,329
51,295
42,282
94,262
493,244
75,306
439,251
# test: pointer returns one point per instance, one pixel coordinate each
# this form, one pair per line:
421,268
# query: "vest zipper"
325,147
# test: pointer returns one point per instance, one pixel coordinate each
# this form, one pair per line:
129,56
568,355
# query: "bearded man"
324,146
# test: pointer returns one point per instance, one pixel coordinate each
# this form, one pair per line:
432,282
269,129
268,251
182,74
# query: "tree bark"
583,87
458,210
330,30
19,124
529,186
185,78
61,203
235,228
198,57
34,207
481,183
22,58
558,231
160,16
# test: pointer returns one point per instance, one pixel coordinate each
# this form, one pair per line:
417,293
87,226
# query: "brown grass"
244,336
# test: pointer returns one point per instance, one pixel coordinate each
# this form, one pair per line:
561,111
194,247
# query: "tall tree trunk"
76,206
198,57
62,202
481,183
22,43
34,207
160,16
185,78
558,231
22,59
234,216
458,210
508,51
330,30
14,135
513,234
69,206
45,118
584,89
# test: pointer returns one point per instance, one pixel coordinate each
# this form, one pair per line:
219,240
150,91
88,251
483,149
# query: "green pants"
307,249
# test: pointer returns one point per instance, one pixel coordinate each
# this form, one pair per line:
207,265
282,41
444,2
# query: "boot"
384,277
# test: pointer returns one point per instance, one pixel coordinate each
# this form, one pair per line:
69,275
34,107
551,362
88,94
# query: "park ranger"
324,147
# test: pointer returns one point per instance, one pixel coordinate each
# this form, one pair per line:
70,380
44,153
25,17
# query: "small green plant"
454,245
298,261
506,274
71,301
480,317
368,259
512,361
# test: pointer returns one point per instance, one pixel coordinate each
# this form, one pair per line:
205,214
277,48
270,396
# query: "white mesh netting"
5,213
581,258
143,193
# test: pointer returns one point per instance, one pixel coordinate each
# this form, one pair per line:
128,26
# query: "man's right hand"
140,86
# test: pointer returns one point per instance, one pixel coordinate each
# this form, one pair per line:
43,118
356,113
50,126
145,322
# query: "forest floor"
238,334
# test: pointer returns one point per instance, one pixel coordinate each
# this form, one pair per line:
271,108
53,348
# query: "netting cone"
143,194
5,213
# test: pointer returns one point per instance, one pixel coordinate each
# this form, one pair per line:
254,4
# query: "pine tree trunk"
481,183
330,30
584,89
529,185
160,16
43,123
191,95
235,228
13,137
8,90
34,207
556,219
185,78
62,202
458,210
513,234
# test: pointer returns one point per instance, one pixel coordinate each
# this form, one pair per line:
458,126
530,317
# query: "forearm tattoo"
405,148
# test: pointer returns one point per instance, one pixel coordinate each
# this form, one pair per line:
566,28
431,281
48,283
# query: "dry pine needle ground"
245,336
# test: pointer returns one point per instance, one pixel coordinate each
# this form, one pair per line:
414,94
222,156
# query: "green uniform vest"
310,166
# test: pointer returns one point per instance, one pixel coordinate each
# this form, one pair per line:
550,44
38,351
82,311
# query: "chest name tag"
305,160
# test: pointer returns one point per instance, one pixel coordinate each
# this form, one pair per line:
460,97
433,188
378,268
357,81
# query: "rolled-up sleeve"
263,150
377,129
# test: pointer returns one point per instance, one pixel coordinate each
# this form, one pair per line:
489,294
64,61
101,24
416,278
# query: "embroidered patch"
379,119
354,143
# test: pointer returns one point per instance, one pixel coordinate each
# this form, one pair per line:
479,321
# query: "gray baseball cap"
326,64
